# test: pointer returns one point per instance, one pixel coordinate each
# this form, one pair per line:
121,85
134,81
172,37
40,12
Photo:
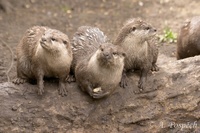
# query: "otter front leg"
143,78
123,82
62,89
40,83
19,80
88,88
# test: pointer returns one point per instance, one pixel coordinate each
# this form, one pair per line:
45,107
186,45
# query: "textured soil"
173,95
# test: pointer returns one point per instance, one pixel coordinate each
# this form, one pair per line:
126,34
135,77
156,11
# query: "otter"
188,41
137,39
98,63
43,51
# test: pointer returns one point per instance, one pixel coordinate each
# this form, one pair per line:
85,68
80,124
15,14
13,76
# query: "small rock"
32,1
27,6
97,89
141,3
14,108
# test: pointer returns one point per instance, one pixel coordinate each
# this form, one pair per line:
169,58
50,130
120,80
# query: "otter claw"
140,85
19,81
40,91
62,90
123,82
154,68
71,78
100,95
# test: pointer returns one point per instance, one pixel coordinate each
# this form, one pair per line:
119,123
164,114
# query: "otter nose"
44,39
107,55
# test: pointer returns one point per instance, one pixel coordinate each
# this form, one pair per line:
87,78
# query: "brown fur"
188,43
136,38
43,52
98,64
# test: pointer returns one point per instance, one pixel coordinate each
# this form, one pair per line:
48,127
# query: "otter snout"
43,43
154,30
43,39
107,55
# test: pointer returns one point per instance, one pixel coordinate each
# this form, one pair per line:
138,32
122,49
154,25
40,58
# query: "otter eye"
114,53
133,28
147,28
101,49
123,54
65,42
53,39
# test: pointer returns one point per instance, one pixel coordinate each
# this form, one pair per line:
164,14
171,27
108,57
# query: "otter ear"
101,47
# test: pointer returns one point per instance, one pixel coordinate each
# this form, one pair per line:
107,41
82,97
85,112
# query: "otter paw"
123,83
140,88
100,95
141,85
62,91
138,91
154,68
19,81
71,78
40,91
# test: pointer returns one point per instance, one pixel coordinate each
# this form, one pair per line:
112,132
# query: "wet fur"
90,69
34,60
137,39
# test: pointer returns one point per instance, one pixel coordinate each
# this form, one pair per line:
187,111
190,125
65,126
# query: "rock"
170,103
14,108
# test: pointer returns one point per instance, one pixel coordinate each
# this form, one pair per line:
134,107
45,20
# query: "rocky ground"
170,103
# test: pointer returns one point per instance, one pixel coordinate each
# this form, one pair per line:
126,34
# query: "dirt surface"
173,95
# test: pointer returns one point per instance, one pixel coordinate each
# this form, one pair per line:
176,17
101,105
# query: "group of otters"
98,65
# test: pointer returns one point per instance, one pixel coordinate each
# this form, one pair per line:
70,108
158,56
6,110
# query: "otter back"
86,41
188,43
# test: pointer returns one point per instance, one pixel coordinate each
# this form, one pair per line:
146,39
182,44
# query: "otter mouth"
43,44
153,34
106,61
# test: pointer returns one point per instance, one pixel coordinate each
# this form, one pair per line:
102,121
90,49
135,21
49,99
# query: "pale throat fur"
140,48
100,71
62,57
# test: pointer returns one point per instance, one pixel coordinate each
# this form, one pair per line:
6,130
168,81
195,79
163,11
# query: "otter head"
139,29
54,41
109,55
